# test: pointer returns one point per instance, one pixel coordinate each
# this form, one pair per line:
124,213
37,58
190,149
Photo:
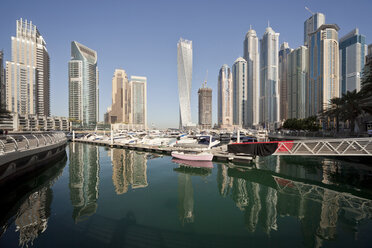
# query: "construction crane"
205,80
312,13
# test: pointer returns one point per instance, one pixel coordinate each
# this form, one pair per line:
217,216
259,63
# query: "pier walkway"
15,147
326,147
320,147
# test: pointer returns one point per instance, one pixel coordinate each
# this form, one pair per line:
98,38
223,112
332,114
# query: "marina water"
103,197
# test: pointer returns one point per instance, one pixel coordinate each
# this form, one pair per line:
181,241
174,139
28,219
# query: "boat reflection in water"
187,169
30,203
84,180
129,168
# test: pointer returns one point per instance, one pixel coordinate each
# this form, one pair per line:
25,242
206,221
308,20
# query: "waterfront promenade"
22,153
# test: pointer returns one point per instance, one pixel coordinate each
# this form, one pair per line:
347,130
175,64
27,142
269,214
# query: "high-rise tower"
251,55
120,98
312,24
269,88
283,69
323,78
83,84
2,82
225,98
353,51
138,102
239,71
27,78
184,63
205,107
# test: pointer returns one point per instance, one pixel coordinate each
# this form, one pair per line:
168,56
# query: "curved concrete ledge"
17,163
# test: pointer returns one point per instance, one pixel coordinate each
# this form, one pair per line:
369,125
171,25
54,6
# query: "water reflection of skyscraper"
269,194
128,168
33,214
84,180
185,190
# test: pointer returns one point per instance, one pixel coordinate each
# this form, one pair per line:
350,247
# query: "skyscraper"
83,84
138,102
269,88
353,50
283,69
184,62
239,71
205,107
312,24
2,82
120,98
296,82
251,55
225,98
323,79
27,87
369,56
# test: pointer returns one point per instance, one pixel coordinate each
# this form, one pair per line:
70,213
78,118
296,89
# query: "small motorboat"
201,156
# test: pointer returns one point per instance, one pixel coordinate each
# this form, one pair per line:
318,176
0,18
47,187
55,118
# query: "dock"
219,154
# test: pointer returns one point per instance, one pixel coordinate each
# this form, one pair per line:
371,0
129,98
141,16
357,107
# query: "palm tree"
366,90
334,110
351,107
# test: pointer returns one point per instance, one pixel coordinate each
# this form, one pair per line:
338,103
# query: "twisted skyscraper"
184,62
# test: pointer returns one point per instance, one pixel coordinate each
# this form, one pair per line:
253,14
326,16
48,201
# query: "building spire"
268,23
250,26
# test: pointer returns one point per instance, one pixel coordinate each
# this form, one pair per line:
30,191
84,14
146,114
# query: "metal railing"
19,142
326,147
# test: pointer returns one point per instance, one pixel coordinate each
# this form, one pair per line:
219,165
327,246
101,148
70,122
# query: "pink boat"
203,156
195,164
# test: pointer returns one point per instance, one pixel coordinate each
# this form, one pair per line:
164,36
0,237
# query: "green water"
100,197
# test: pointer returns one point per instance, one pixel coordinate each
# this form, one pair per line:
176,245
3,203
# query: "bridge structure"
326,147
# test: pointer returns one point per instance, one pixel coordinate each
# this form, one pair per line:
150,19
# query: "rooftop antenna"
312,13
250,26
268,23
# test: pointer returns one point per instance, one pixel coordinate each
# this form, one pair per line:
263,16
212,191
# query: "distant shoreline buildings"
291,83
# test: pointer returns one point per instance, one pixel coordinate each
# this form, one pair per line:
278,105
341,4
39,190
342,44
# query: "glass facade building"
353,51
283,80
296,82
312,24
323,77
2,82
138,102
27,81
225,97
239,75
252,57
269,88
83,84
184,63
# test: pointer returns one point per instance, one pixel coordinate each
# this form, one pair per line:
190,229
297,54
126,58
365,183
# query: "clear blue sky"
141,37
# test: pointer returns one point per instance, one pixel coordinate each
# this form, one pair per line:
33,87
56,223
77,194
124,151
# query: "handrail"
3,146
37,140
15,143
27,142
30,141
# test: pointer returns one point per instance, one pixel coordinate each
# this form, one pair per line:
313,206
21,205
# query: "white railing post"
27,142
37,140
